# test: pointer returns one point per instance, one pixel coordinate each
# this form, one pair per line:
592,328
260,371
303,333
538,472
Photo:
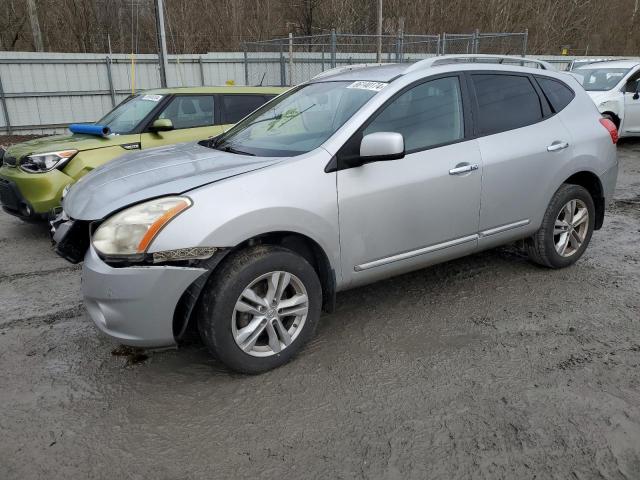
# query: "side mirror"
636,95
161,125
381,146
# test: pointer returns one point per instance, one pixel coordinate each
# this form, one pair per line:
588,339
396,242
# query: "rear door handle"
555,146
463,169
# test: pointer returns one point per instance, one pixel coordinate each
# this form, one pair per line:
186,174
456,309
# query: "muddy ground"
485,367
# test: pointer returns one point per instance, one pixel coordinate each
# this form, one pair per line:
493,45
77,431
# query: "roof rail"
447,59
346,68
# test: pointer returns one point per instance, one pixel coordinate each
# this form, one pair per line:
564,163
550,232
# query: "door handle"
463,169
555,146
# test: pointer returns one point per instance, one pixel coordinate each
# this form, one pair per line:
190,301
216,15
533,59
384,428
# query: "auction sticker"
152,98
362,85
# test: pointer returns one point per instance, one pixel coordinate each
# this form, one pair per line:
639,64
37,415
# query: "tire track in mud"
40,273
45,319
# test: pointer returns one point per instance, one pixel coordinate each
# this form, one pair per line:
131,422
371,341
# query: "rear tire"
260,308
566,228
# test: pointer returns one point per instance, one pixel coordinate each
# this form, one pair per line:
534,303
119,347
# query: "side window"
558,94
428,114
505,102
189,111
236,107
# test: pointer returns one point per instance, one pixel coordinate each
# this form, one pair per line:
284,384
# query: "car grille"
75,242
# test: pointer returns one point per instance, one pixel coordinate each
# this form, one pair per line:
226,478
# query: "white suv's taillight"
611,128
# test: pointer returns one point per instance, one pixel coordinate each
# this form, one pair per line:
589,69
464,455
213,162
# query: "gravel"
484,367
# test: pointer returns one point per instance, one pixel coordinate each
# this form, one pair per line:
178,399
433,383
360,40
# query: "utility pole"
379,51
35,25
162,43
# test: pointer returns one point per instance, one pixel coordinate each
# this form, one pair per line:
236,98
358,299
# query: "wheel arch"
593,185
614,117
297,242
307,248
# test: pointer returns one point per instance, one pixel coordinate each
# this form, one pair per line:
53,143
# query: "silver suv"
357,175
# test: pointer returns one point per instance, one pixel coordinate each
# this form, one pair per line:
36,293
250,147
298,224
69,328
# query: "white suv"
615,88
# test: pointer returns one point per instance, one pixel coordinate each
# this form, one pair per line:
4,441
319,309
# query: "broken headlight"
130,232
44,162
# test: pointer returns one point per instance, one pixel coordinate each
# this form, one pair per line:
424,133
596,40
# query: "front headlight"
131,231
44,162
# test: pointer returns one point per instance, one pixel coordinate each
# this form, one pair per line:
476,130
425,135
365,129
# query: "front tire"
566,228
260,308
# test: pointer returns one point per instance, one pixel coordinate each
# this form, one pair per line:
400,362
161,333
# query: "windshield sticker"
152,98
362,85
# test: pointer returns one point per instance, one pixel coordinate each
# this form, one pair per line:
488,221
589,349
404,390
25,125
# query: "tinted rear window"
558,94
505,102
236,107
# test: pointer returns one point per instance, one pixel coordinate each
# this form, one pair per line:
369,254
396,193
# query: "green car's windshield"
600,79
298,121
127,116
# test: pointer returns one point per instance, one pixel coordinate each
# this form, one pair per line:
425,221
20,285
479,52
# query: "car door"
193,118
403,214
631,120
523,146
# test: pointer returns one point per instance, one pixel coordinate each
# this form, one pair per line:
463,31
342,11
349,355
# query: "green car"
35,173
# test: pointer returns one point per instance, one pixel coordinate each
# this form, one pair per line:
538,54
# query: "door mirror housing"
381,146
161,125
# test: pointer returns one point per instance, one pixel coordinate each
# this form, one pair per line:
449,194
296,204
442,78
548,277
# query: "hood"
61,142
138,176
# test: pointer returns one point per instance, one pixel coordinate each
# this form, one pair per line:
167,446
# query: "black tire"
541,246
216,307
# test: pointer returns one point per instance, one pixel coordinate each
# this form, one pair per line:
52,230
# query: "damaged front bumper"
135,305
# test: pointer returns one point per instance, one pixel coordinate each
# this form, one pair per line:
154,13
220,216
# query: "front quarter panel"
87,160
611,101
295,195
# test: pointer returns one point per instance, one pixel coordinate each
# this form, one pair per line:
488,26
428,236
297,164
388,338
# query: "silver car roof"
389,71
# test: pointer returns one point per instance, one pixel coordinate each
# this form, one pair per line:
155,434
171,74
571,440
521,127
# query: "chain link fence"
295,59
485,43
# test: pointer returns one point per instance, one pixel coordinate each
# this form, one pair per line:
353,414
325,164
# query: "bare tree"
198,26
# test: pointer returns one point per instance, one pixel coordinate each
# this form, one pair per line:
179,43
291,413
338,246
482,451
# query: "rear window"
505,102
236,107
558,94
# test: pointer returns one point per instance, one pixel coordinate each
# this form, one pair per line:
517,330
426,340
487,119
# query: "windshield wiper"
230,149
275,117
280,116
215,142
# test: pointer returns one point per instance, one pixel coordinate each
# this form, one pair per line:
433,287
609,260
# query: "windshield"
600,79
127,116
299,120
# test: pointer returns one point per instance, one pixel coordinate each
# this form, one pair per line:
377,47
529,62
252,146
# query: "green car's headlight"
44,162
131,231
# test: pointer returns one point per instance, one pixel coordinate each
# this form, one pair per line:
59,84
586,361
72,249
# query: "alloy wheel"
269,314
571,228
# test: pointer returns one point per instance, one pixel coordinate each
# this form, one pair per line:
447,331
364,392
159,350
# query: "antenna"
262,79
